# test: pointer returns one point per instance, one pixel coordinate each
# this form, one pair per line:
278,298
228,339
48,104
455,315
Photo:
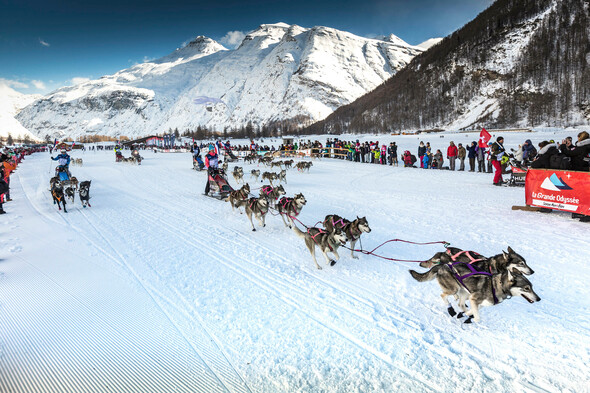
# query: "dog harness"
286,201
341,221
320,231
474,272
267,190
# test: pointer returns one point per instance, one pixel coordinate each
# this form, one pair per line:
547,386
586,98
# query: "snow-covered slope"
279,72
11,102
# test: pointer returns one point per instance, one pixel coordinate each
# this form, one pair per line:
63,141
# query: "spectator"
461,154
421,152
528,151
383,155
452,155
425,161
546,150
497,151
471,155
580,153
438,156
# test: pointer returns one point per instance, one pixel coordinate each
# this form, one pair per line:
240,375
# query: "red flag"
484,138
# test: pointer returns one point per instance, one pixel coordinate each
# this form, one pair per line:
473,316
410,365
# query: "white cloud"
44,43
79,79
38,84
233,38
13,84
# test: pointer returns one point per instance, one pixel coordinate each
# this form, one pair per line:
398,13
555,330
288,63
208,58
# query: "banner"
560,190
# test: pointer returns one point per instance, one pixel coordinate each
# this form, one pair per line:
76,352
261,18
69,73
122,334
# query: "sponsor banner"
561,190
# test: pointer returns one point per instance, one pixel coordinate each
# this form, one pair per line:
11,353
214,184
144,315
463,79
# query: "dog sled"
219,187
65,180
517,176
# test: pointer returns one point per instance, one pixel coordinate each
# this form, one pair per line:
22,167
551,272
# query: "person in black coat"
579,154
546,150
471,152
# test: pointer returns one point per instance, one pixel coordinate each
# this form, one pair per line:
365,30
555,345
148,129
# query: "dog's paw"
468,320
332,262
253,229
355,257
460,315
451,311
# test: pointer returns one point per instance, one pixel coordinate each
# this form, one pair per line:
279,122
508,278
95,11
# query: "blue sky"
48,44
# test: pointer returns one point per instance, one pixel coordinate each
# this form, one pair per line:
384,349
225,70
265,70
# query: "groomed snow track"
158,288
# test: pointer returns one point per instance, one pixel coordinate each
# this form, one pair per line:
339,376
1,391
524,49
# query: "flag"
55,143
484,138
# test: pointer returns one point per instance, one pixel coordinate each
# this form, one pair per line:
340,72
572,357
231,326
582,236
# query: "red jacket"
452,151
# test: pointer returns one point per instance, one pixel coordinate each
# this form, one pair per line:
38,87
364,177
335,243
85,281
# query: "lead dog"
326,241
353,229
85,193
481,289
257,207
57,193
291,207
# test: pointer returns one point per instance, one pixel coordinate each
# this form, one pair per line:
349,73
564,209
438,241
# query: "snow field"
158,288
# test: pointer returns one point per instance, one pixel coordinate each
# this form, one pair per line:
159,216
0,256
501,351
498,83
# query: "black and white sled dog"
57,193
255,173
353,229
325,240
257,207
70,194
291,207
509,260
238,174
481,289
272,193
85,193
238,198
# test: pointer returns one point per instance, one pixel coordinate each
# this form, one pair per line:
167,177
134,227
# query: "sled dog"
257,207
326,241
239,197
291,207
481,289
238,174
57,193
353,229
85,193
272,193
255,173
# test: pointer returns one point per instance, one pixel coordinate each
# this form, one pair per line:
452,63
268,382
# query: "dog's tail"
298,232
429,275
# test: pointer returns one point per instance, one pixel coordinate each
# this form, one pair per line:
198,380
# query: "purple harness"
474,272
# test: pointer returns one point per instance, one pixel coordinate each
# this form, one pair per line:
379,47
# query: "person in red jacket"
452,155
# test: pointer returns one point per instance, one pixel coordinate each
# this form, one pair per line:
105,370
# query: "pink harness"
468,253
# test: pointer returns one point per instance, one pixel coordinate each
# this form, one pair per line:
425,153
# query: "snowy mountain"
278,73
518,63
11,102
